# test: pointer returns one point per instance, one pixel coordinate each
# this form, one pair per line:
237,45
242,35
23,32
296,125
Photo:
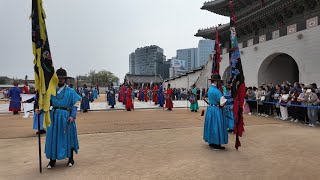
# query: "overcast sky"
89,35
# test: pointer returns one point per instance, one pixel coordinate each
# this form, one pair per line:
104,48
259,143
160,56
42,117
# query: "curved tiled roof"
271,7
215,3
140,79
216,6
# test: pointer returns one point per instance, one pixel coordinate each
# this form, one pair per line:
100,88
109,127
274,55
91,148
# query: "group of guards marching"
156,94
219,118
87,97
62,140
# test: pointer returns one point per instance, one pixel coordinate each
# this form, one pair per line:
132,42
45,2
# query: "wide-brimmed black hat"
215,77
61,73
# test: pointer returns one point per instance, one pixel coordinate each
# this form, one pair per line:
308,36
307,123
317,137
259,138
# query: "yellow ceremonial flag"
46,80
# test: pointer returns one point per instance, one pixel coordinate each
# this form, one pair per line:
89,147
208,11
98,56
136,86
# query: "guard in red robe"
139,94
129,103
155,94
146,97
122,93
169,103
25,88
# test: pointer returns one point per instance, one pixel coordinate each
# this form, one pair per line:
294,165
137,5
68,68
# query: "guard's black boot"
71,161
51,164
219,147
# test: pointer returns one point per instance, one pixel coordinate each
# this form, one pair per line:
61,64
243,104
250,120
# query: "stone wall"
305,51
185,81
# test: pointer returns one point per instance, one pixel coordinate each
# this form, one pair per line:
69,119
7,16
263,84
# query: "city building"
149,60
190,56
132,63
177,67
165,70
205,48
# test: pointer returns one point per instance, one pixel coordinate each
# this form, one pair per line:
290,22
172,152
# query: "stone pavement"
156,144
99,106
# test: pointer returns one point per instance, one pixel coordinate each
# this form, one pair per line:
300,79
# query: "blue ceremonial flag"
238,87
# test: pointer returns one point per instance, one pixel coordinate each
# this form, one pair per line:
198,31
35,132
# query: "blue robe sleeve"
75,98
218,95
74,112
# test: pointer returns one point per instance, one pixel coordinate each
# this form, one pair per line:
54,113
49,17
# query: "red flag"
216,57
238,87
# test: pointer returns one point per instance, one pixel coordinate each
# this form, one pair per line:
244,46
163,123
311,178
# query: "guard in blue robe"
228,110
35,122
78,92
112,96
95,93
141,94
85,104
81,92
61,138
35,116
215,126
91,99
15,99
160,96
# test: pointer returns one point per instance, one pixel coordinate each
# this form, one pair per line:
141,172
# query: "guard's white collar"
61,88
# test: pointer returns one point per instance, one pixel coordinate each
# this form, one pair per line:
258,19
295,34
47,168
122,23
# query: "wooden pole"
187,93
39,144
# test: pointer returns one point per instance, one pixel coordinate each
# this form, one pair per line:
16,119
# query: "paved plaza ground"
157,144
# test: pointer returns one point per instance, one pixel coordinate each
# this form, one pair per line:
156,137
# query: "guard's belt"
214,105
62,108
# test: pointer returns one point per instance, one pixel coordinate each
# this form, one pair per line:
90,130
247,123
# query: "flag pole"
39,143
187,93
43,63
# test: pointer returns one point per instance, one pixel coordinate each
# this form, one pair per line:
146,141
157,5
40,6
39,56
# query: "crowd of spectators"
293,102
